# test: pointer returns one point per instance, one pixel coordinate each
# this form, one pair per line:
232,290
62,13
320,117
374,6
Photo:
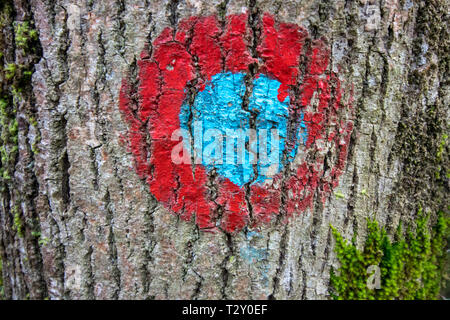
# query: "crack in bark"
112,248
352,197
225,273
254,22
281,263
148,247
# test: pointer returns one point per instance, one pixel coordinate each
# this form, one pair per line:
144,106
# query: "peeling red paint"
237,56
281,49
198,50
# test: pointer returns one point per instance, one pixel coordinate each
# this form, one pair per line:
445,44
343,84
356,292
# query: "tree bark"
88,227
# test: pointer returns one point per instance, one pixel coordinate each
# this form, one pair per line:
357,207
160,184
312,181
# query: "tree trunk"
78,221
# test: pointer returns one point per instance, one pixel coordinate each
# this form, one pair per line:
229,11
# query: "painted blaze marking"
305,107
218,108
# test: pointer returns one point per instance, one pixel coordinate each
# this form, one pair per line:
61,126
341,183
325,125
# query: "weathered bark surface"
108,237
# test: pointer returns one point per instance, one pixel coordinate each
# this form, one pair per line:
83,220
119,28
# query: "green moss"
43,241
16,84
439,156
5,175
32,121
18,223
339,195
25,35
411,267
13,128
8,138
10,71
35,234
35,145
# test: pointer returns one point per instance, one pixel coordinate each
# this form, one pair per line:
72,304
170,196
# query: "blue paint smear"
256,257
219,107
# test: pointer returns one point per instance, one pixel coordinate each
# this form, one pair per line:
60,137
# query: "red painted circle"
199,49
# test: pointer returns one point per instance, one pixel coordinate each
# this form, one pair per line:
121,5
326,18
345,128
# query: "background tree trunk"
77,222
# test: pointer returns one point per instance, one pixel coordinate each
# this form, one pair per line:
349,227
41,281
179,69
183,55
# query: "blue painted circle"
218,109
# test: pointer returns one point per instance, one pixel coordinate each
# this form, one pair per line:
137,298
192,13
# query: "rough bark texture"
102,233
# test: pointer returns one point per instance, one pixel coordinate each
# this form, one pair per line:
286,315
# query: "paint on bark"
224,79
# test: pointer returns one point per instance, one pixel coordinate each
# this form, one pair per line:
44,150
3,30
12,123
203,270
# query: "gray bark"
108,238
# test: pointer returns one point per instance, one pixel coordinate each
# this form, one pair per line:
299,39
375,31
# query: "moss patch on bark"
410,267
